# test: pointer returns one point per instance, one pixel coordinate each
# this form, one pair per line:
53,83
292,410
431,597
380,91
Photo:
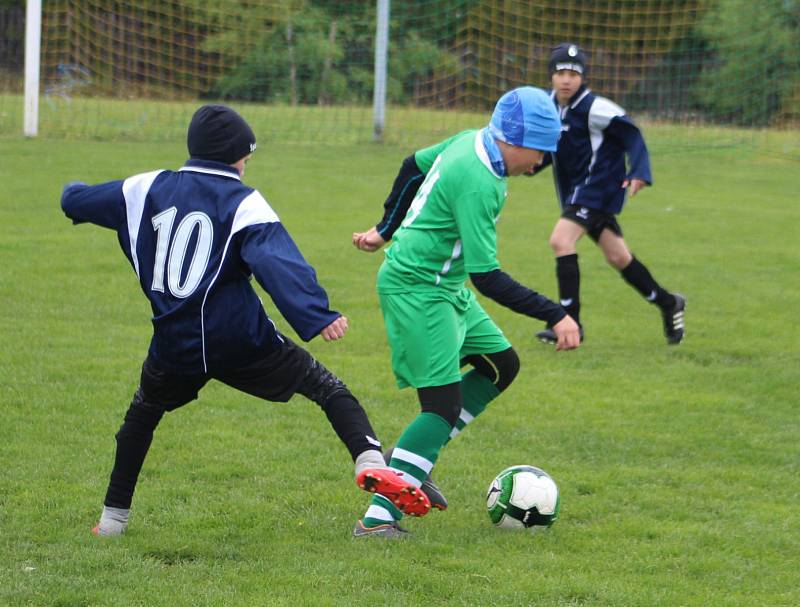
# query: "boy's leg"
425,332
495,365
492,373
418,447
566,234
158,393
638,276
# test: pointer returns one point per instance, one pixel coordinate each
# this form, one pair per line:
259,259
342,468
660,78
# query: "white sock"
113,521
369,459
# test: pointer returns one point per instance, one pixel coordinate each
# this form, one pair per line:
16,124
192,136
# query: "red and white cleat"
405,496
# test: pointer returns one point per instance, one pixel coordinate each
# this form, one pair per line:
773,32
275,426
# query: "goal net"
694,73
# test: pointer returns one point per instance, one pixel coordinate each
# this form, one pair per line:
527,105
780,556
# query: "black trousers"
276,377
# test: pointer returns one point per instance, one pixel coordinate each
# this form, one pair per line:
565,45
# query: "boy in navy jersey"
195,237
591,180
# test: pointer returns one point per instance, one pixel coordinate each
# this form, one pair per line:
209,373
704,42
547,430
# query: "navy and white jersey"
195,237
589,165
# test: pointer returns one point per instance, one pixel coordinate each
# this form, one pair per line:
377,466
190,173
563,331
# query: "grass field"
102,119
678,466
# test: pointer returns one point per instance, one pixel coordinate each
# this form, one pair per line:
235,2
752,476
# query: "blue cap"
526,117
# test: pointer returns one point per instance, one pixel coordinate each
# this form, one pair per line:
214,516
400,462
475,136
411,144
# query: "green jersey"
449,230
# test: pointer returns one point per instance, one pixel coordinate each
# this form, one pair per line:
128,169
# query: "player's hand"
634,185
335,330
568,333
369,241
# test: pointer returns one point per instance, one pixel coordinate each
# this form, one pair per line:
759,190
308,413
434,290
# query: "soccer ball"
523,497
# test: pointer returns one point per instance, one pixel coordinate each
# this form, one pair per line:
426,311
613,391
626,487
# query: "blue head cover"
526,117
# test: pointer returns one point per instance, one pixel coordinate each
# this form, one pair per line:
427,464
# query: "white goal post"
381,52
33,53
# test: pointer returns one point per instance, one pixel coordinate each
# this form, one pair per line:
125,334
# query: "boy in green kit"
443,235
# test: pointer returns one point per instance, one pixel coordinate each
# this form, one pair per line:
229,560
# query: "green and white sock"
414,456
477,392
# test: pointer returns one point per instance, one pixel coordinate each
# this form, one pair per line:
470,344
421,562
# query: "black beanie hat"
217,132
567,56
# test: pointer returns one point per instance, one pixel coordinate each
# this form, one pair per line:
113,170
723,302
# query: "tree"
752,67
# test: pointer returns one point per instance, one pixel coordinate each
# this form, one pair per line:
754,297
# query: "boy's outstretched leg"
133,441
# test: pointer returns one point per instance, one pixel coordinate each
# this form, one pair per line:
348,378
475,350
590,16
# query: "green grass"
678,466
102,119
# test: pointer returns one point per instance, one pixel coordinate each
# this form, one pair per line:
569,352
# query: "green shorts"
430,333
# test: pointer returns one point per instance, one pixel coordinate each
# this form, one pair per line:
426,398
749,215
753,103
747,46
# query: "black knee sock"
569,284
350,422
639,277
133,442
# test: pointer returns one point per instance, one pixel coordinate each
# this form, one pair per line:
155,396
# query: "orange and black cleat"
405,496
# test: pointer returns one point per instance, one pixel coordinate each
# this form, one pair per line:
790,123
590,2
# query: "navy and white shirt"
194,238
589,165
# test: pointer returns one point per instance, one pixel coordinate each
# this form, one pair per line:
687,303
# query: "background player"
591,181
433,321
194,238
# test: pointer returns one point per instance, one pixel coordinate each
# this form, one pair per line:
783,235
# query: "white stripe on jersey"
253,210
447,264
600,115
234,174
134,190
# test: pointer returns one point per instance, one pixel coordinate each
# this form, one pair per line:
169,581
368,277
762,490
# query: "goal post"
381,52
33,48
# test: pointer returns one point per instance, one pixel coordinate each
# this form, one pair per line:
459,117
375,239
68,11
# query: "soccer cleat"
435,495
673,320
548,336
429,488
389,531
405,496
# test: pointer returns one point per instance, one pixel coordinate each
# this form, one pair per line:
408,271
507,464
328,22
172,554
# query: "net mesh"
693,72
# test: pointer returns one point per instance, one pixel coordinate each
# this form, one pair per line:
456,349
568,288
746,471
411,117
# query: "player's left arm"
102,204
502,288
279,267
626,131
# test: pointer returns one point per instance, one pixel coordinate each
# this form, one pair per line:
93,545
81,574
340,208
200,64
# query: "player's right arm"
102,204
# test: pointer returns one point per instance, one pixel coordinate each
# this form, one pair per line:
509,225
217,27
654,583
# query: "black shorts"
276,377
592,220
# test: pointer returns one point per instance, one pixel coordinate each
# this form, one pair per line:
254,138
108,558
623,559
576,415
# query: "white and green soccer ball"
522,497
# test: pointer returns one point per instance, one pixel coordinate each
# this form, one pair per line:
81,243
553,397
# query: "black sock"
351,424
639,277
569,284
133,442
